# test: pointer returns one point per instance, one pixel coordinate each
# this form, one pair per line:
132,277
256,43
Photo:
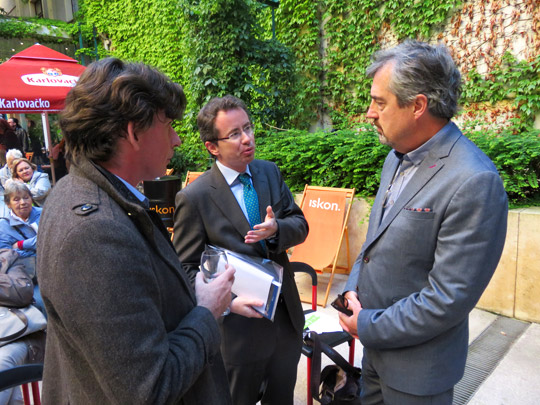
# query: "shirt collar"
125,189
140,196
230,174
417,156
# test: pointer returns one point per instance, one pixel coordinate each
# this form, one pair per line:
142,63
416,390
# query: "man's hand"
263,230
244,306
349,323
216,295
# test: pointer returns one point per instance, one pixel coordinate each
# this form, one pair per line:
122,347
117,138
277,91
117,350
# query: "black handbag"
337,384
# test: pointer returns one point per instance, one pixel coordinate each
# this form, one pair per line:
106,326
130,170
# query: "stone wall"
514,289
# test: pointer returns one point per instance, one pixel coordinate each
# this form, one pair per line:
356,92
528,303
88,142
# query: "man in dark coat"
21,133
8,138
261,356
125,324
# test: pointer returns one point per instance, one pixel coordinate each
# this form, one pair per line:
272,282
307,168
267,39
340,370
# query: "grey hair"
15,187
14,153
420,68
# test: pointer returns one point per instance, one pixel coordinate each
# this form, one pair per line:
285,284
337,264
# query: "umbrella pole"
48,142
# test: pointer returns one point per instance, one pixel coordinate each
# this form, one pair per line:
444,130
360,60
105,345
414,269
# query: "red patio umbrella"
37,80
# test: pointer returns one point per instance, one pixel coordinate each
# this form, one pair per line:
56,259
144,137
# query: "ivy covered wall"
496,44
313,74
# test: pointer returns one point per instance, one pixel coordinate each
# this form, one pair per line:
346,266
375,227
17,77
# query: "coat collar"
119,193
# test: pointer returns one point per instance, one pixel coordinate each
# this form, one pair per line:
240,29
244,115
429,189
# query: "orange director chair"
190,177
326,210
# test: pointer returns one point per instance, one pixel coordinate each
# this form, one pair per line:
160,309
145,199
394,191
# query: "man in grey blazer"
261,356
125,324
435,235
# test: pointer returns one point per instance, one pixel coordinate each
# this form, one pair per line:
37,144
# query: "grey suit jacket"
420,272
208,213
123,323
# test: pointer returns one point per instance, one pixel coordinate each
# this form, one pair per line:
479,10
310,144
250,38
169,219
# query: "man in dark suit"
261,356
125,325
435,235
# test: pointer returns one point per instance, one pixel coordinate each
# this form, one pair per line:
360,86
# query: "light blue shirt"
231,177
140,196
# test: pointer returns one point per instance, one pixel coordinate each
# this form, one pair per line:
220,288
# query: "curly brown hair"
109,94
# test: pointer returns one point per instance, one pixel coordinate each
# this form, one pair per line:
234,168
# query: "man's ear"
420,105
212,148
131,137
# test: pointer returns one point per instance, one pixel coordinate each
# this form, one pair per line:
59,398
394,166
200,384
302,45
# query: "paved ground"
514,379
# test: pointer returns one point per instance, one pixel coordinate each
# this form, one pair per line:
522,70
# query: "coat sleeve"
468,247
30,243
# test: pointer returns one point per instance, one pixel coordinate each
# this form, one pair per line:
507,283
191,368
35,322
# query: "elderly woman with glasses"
19,229
24,171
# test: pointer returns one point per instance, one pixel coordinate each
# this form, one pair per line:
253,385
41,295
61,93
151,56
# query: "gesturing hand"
263,230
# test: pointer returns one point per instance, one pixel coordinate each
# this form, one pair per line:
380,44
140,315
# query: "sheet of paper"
250,281
321,322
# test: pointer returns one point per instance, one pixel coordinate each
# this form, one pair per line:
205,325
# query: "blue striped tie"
250,200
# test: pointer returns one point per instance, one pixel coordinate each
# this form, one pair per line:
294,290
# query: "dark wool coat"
123,327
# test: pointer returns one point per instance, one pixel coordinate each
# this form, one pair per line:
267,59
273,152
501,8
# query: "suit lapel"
430,166
386,177
225,201
260,182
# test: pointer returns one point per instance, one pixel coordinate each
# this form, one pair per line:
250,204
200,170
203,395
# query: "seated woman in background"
16,291
38,183
5,171
5,175
19,229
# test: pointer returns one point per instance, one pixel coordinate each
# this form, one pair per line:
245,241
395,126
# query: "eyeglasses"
237,133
